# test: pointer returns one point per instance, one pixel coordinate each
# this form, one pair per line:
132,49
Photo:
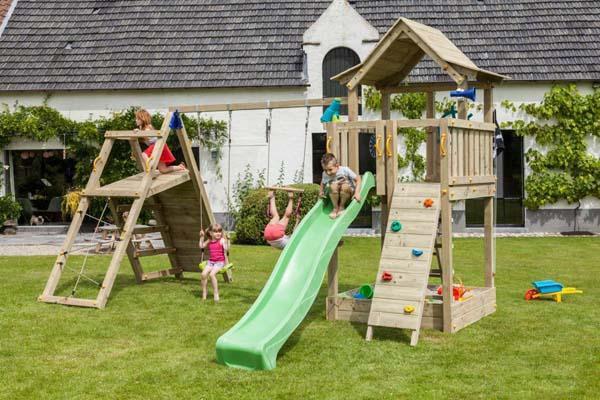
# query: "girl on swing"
143,120
275,230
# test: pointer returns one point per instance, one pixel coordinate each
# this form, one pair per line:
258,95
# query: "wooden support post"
138,271
195,176
489,212
447,269
353,161
332,287
386,112
433,159
462,103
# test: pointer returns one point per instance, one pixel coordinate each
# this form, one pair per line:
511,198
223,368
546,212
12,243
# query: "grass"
156,341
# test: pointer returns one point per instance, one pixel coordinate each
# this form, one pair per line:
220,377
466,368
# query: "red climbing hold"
428,203
386,276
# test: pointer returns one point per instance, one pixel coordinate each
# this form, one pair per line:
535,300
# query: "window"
336,61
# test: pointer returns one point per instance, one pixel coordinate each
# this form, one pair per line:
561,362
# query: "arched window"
336,61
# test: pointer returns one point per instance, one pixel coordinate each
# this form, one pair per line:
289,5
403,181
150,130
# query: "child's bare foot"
333,214
340,211
216,298
182,167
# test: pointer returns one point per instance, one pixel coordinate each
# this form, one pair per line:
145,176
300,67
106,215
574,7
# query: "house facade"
187,52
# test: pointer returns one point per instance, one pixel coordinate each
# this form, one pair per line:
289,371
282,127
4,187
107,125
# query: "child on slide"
217,248
143,121
275,230
339,183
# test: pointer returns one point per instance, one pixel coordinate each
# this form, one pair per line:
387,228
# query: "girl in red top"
217,248
144,122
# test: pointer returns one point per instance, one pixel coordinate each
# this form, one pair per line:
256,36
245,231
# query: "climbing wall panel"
401,284
180,208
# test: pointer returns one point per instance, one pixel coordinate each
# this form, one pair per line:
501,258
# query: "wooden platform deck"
131,186
481,303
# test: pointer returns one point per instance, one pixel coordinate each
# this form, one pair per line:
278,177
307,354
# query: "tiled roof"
147,44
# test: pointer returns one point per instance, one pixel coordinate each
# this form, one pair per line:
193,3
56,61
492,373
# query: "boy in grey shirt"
339,182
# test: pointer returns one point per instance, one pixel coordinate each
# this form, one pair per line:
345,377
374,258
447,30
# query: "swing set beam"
261,105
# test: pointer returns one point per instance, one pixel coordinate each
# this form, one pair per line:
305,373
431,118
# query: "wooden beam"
135,134
332,287
429,87
143,230
353,156
154,252
446,250
432,155
159,274
69,301
489,212
386,110
285,189
261,105
136,266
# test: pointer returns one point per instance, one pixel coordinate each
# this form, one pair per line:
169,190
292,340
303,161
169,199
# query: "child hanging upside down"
339,183
275,229
143,120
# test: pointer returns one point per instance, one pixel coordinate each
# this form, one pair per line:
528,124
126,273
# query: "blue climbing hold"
176,122
417,252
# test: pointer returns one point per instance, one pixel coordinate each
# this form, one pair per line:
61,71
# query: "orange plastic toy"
428,203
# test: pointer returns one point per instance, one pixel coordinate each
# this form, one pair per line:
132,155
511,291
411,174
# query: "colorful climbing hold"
386,276
396,226
428,203
417,252
409,309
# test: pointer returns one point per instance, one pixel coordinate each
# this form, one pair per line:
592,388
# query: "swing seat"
225,271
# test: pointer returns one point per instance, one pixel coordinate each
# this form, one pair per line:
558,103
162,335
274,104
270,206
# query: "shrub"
9,209
252,216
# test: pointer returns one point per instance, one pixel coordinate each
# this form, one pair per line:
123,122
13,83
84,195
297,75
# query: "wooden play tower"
417,217
177,200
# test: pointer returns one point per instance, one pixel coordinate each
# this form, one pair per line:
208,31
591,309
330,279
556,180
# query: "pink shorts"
274,232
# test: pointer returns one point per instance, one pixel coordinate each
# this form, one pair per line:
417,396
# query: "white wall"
518,93
248,127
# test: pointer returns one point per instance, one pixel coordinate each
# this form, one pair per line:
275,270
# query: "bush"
252,216
9,209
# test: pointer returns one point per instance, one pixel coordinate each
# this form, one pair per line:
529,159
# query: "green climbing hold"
396,226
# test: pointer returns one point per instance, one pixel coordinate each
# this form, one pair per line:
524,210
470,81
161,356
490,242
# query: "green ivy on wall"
564,121
84,139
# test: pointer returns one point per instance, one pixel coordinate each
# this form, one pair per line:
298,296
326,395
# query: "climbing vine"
412,106
564,122
83,140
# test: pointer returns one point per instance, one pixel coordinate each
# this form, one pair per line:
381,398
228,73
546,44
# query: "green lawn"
156,341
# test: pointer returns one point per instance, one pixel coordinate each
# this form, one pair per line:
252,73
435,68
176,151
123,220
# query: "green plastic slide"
253,343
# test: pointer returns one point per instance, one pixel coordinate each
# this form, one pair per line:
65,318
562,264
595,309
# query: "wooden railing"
460,153
466,151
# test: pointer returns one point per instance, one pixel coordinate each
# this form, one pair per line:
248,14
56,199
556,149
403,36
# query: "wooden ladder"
139,194
410,241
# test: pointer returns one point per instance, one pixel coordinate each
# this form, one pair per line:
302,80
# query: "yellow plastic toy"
225,271
556,296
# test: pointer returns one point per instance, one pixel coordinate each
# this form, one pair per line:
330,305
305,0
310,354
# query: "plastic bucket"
366,291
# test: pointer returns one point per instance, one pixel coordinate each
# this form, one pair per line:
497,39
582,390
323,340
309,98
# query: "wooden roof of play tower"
401,49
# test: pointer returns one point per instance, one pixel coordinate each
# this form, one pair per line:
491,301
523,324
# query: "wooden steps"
405,266
132,186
